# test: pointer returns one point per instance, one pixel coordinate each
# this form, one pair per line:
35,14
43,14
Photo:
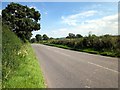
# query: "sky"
60,18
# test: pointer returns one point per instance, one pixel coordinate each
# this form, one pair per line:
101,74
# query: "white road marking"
62,53
103,67
87,87
89,62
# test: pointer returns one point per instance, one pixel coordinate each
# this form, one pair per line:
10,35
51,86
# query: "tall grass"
10,47
20,68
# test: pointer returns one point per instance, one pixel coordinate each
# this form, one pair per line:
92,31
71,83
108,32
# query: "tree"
51,38
90,34
71,35
38,37
22,19
33,40
78,36
45,37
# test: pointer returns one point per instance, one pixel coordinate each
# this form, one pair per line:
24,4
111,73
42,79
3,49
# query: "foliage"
22,19
71,35
38,37
20,68
105,45
79,36
33,40
45,37
10,47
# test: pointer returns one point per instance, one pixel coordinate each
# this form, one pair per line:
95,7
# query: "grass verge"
28,74
20,68
91,51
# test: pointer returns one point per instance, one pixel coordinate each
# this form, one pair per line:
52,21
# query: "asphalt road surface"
71,69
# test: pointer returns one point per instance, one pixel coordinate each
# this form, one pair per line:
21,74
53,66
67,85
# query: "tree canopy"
71,35
38,37
33,40
45,37
22,19
79,36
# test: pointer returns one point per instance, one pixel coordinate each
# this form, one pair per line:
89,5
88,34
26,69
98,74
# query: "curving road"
71,69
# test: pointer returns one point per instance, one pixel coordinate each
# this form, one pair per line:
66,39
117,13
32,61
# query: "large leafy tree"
22,19
33,40
71,35
79,36
45,37
38,37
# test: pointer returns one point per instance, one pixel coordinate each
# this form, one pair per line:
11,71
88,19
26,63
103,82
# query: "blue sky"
60,18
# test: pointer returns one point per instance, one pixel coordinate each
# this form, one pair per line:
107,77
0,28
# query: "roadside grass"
28,74
20,68
106,53
60,46
88,50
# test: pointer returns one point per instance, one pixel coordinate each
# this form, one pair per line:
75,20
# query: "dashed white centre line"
91,63
103,67
62,53
87,87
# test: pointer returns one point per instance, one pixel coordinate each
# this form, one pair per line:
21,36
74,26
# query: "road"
71,69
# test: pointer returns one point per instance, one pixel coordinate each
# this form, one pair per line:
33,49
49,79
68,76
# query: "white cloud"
101,26
108,24
62,32
73,19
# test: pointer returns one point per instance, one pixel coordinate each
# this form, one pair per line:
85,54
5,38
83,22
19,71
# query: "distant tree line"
102,43
71,35
39,38
93,41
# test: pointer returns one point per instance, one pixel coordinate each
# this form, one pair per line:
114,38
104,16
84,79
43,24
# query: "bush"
105,43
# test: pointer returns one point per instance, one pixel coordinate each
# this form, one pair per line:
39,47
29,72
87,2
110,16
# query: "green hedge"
20,68
11,44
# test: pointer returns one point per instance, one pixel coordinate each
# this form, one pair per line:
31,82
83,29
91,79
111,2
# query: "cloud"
75,18
62,32
107,24
101,26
